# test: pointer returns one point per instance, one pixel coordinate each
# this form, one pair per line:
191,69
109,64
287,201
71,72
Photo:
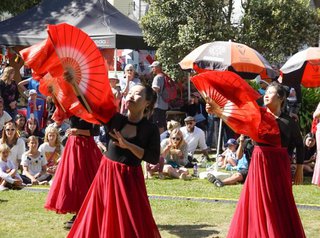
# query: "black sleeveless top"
147,137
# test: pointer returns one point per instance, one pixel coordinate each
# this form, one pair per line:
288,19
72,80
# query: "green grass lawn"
187,212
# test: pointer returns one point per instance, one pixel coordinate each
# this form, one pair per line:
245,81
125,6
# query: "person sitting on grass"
244,152
175,151
9,177
150,169
34,165
228,159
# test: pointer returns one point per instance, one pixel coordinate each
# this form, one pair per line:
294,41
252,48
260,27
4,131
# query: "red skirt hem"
76,170
116,205
266,207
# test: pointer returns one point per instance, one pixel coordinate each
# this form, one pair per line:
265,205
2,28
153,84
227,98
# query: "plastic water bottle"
195,170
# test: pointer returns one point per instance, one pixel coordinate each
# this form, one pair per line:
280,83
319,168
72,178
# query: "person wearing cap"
4,116
161,107
35,107
194,136
243,152
130,80
228,159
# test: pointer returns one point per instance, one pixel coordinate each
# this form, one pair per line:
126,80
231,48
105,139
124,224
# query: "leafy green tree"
17,6
176,27
279,28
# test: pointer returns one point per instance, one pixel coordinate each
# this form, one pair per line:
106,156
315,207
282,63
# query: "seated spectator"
102,139
4,116
150,169
244,152
32,129
34,165
228,159
62,128
10,137
175,152
9,176
195,138
51,148
20,121
171,125
310,150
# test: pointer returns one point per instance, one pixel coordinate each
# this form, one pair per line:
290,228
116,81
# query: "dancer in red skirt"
117,204
76,170
266,207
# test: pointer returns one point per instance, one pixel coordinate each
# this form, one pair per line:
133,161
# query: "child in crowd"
228,159
9,177
51,148
34,164
35,107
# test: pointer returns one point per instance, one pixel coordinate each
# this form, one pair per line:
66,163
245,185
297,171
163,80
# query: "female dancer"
316,171
117,204
76,169
266,207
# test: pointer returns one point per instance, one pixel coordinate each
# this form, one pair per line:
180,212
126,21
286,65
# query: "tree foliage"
176,27
275,28
17,6
279,28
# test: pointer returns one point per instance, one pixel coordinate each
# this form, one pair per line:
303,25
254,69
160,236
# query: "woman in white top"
17,146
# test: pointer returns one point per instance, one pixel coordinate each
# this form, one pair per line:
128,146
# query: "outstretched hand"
212,107
119,140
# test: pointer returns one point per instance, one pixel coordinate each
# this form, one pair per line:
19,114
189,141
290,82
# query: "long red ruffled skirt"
116,205
76,170
266,207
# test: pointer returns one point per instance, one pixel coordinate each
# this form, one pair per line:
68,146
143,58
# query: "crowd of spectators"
34,142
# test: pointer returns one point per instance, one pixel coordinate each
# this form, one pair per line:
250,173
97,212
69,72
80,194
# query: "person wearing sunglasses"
175,151
126,84
17,146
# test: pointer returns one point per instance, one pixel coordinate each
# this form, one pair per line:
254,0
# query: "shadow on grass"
1,201
190,231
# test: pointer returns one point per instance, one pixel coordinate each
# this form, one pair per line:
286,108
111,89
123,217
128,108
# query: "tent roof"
108,27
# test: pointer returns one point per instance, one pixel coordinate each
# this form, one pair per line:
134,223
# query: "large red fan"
234,101
70,49
66,101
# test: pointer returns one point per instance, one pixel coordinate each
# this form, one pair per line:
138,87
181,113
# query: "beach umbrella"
302,68
228,56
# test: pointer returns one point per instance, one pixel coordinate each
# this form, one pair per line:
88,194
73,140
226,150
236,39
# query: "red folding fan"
234,101
66,101
70,49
